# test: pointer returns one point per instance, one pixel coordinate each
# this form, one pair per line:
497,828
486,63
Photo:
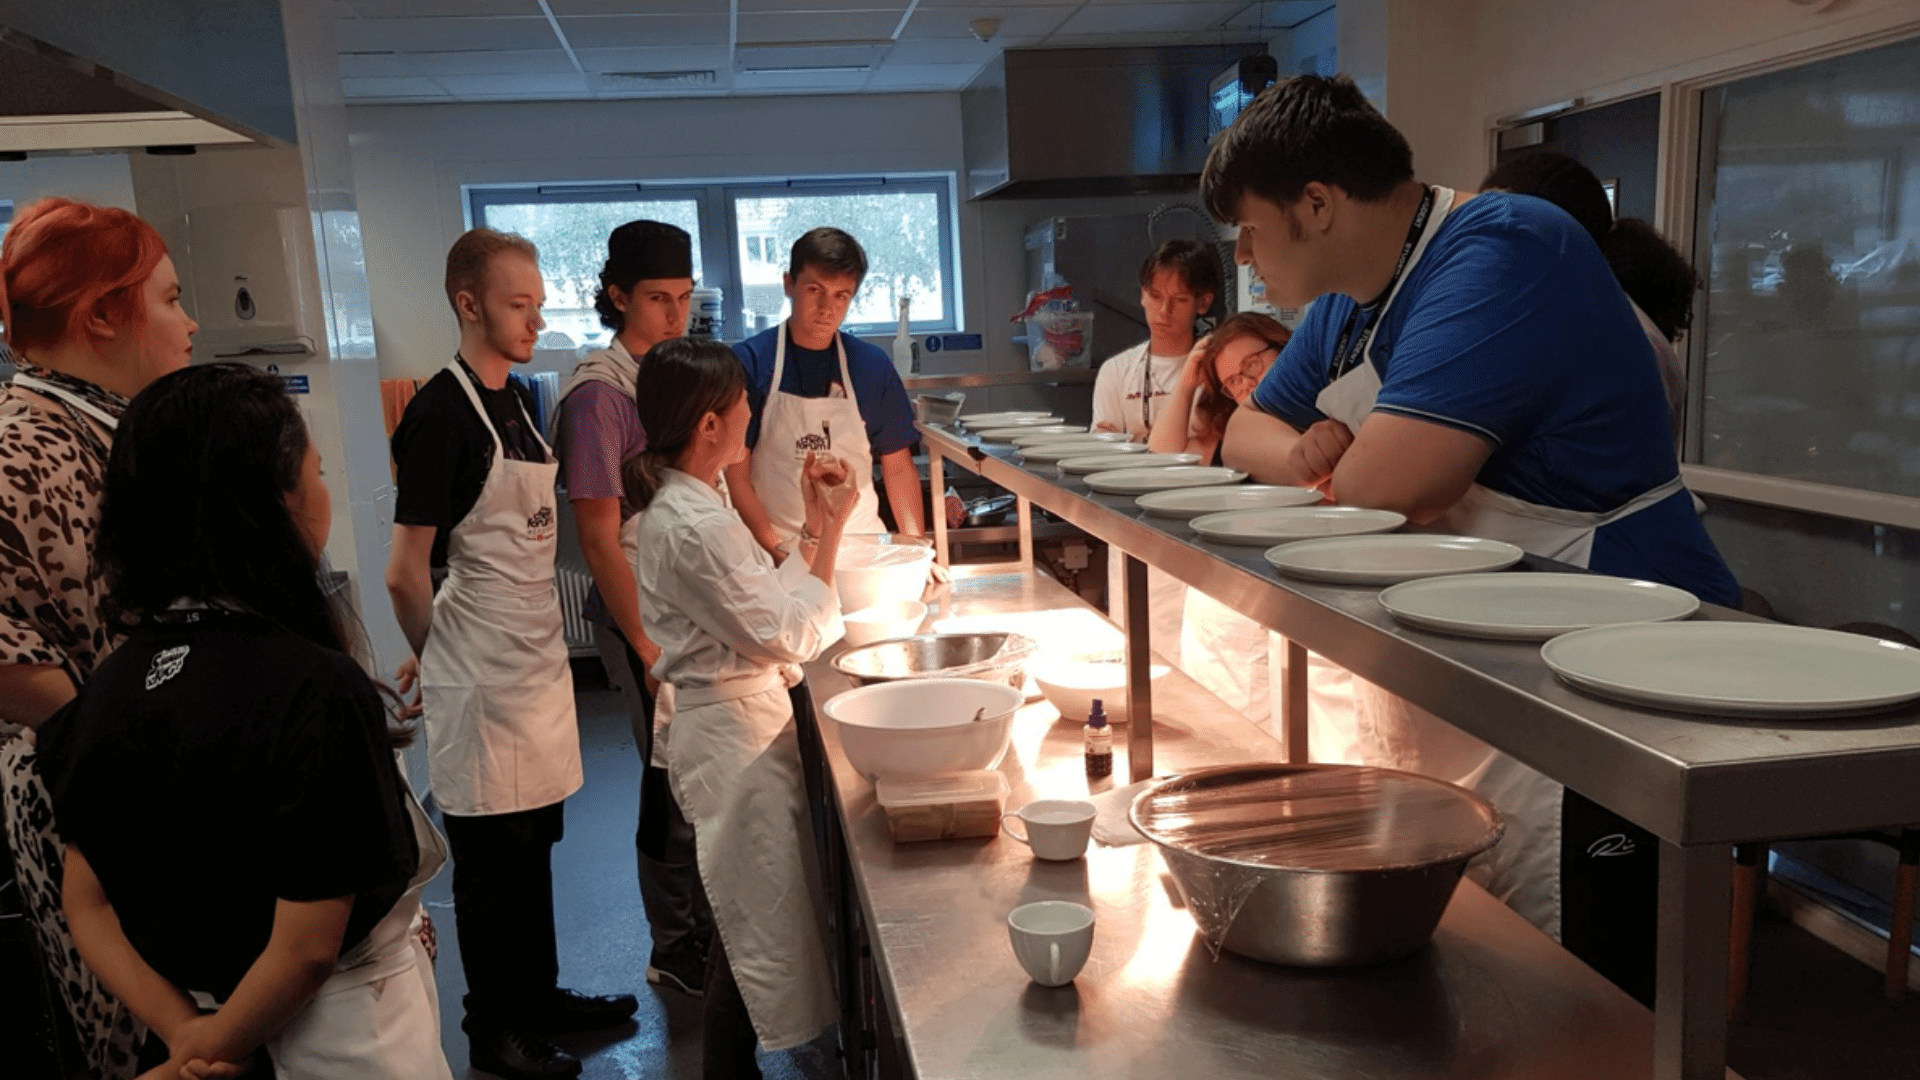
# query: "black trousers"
503,909
1609,893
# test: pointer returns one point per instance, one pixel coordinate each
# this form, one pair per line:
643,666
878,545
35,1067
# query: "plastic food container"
949,807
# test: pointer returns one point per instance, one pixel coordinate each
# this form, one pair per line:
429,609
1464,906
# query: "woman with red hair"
91,306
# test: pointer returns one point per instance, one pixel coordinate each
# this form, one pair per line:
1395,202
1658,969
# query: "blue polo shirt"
877,388
1512,327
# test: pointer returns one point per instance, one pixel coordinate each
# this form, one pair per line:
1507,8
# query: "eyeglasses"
1251,369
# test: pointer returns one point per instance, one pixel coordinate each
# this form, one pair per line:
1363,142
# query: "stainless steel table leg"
1139,672
1293,703
1023,510
937,505
1690,992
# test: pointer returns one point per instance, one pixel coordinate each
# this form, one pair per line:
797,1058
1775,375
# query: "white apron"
495,685
378,1017
735,768
1523,870
791,425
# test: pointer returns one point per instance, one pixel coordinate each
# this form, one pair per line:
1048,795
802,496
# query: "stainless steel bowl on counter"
993,657
1315,865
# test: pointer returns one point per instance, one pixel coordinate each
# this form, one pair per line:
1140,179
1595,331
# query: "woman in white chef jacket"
732,630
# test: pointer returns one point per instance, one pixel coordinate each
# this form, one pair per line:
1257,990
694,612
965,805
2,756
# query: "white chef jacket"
711,597
1132,387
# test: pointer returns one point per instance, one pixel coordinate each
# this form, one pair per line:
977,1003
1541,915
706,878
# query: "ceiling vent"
644,80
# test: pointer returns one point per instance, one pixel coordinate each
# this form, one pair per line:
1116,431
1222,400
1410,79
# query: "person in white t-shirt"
1178,283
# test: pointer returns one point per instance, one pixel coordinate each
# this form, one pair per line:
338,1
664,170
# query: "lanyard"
1352,350
1146,386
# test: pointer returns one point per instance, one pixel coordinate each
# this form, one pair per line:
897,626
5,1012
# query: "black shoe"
683,971
519,1055
569,1011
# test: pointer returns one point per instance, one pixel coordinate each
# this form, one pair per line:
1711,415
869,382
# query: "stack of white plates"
1738,669
1386,560
1060,451
1037,436
1106,459
1532,607
1163,478
1014,431
1008,423
1219,500
998,419
1266,527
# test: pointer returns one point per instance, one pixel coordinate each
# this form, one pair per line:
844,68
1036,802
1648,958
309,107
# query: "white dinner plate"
1106,459
1060,451
1201,501
1388,560
1737,669
1533,607
1001,423
1165,478
1265,527
1009,434
995,419
1037,436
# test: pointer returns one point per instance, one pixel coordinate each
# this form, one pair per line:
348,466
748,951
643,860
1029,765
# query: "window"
742,233
1808,233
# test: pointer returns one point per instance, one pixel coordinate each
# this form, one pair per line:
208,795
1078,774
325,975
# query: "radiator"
574,583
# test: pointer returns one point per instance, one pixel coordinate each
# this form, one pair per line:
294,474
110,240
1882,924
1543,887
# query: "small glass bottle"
1099,743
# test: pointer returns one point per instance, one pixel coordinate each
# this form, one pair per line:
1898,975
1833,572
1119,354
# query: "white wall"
102,179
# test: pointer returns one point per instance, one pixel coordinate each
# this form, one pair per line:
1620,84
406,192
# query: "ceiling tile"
427,9
679,58
1150,18
377,65
849,82
623,31
825,56
508,86
998,9
1019,23
391,88
897,7
816,26
433,35
565,8
507,62
923,77
942,51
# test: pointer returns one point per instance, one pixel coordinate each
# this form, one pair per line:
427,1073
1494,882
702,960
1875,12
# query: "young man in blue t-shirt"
834,393
1470,362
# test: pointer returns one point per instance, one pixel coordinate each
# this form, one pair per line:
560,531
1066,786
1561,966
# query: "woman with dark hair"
91,304
1220,373
1655,276
234,738
732,630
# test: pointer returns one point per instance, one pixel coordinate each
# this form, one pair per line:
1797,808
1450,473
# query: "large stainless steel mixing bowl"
994,657
1315,865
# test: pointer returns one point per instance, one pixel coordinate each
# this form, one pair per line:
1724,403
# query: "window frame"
720,244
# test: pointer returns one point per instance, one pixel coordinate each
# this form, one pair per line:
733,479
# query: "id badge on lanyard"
1351,349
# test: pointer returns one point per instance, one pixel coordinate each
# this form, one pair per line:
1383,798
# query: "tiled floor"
1814,1014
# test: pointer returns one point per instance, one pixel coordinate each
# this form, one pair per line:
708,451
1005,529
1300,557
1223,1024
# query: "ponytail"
679,382
640,477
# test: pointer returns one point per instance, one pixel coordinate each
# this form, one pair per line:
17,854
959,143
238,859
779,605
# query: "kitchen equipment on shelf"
1198,502
1388,560
1059,340
887,619
1057,830
1163,478
1045,436
866,574
1059,451
1315,865
924,727
1071,684
1108,459
949,806
1532,606
1013,432
1738,669
1052,939
989,510
1266,527
994,656
941,409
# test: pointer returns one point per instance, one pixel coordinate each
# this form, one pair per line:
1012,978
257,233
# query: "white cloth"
378,1017
496,690
1228,653
1524,869
1131,388
791,425
1673,374
731,627
1166,600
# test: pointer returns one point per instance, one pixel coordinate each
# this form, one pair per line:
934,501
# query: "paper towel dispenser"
249,275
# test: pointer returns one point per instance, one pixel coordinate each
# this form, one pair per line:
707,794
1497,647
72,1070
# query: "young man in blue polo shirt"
1471,363
813,387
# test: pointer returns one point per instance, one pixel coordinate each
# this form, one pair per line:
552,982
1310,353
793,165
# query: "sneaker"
519,1055
682,971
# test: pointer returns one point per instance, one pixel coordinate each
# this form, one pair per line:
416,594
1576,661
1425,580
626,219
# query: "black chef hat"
640,250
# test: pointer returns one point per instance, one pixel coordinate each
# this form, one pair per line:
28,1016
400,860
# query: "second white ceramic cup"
1056,829
1052,939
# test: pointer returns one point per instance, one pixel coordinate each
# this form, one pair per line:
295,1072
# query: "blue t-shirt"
877,388
1512,327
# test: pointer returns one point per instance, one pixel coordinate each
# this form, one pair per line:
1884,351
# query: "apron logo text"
540,525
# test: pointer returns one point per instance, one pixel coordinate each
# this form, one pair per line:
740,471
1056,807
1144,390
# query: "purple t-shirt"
599,429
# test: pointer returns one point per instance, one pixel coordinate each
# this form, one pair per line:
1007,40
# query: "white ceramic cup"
1052,939
1057,829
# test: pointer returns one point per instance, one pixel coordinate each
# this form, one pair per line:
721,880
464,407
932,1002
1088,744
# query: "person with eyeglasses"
1220,373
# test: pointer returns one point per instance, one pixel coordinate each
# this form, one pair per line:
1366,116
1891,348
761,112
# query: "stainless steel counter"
1700,784
1053,377
1492,997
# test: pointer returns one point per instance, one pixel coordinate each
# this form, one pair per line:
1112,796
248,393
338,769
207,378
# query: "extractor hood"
52,100
1048,123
